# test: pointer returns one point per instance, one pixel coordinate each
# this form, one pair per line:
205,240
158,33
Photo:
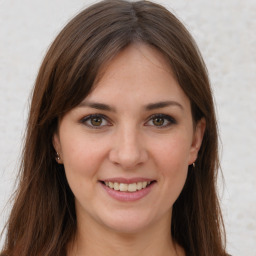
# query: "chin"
128,223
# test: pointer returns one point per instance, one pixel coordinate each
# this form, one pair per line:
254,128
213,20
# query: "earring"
194,165
57,156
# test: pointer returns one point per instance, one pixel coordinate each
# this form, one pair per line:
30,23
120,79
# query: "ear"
197,140
57,147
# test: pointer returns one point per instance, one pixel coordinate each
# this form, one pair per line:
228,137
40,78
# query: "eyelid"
170,119
90,116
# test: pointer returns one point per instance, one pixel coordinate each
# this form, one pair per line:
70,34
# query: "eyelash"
166,118
170,120
90,118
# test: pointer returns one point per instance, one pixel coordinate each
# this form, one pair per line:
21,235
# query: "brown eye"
96,121
158,121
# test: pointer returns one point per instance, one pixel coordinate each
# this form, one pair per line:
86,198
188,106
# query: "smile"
124,187
127,190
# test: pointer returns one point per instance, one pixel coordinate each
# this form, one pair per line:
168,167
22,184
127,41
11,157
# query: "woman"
121,151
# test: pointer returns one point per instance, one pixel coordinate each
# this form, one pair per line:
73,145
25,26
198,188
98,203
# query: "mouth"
128,187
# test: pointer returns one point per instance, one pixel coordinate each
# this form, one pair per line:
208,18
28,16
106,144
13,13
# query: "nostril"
128,154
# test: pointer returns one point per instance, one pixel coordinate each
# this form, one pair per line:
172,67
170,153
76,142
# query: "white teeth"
127,187
139,185
123,187
132,187
116,186
111,184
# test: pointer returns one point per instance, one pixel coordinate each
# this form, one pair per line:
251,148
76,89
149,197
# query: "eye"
160,121
95,121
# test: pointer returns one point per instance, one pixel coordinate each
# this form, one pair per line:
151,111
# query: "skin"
129,142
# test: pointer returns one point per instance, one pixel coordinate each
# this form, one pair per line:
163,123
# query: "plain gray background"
225,31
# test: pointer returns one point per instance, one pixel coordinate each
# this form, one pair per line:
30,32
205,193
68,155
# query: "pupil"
96,121
158,121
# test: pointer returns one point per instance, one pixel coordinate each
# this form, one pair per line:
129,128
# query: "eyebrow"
163,104
96,105
148,107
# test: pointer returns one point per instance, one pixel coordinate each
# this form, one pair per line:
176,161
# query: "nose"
128,150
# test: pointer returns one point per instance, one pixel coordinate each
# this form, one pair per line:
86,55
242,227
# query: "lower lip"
128,196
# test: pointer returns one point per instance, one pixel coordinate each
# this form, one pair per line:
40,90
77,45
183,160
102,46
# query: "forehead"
138,73
139,54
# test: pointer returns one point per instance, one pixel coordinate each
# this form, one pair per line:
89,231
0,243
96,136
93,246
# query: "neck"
154,240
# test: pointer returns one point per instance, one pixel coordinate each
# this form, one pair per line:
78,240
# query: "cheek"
80,156
173,152
171,159
82,161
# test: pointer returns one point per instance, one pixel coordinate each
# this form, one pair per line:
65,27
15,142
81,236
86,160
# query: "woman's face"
133,130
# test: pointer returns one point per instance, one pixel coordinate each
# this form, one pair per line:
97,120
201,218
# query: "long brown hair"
43,218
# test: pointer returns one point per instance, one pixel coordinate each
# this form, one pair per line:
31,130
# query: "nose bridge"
128,149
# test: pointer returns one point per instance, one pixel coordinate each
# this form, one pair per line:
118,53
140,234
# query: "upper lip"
127,180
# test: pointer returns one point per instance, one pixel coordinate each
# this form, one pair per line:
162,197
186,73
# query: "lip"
127,196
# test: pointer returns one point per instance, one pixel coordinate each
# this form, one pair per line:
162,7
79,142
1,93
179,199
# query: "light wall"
225,31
